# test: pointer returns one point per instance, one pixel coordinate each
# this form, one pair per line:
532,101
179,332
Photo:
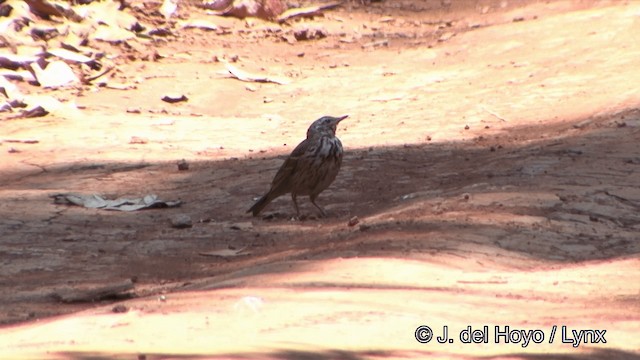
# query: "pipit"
311,167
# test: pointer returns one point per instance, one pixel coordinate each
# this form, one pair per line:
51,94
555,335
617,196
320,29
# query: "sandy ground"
492,162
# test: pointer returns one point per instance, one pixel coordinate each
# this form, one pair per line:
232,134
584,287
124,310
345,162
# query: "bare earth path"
494,173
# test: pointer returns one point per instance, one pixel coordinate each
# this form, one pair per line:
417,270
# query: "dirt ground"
492,162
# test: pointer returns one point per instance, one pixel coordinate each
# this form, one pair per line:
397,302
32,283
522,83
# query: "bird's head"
325,125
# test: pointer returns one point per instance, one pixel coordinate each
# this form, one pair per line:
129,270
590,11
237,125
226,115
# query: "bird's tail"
260,204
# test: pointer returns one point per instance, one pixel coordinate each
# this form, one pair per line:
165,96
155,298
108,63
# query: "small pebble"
183,165
181,221
119,309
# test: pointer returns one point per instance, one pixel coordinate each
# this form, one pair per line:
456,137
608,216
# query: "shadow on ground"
598,354
564,192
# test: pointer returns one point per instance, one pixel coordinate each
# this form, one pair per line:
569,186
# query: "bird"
310,168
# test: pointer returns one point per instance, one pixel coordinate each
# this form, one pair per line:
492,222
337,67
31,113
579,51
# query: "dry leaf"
14,62
112,34
56,74
199,24
263,9
69,55
226,252
306,11
108,12
21,75
37,111
9,90
168,8
174,98
245,76
122,204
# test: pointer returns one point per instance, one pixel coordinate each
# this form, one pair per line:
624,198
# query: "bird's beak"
342,118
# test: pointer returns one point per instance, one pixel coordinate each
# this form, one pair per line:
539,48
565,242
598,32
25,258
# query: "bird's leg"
313,201
295,204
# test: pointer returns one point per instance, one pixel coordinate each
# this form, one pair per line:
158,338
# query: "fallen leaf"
115,86
44,8
45,33
168,8
95,201
112,34
174,98
226,252
108,13
14,62
306,11
245,76
37,111
69,55
20,75
199,24
263,9
56,74
9,90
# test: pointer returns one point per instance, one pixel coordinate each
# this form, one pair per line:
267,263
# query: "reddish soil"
492,162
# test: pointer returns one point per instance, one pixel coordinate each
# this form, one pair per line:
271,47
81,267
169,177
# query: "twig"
494,114
20,141
91,78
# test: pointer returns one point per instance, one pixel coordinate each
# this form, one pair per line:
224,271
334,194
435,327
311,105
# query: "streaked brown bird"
311,167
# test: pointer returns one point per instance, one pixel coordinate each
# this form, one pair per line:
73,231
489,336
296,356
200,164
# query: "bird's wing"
289,166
